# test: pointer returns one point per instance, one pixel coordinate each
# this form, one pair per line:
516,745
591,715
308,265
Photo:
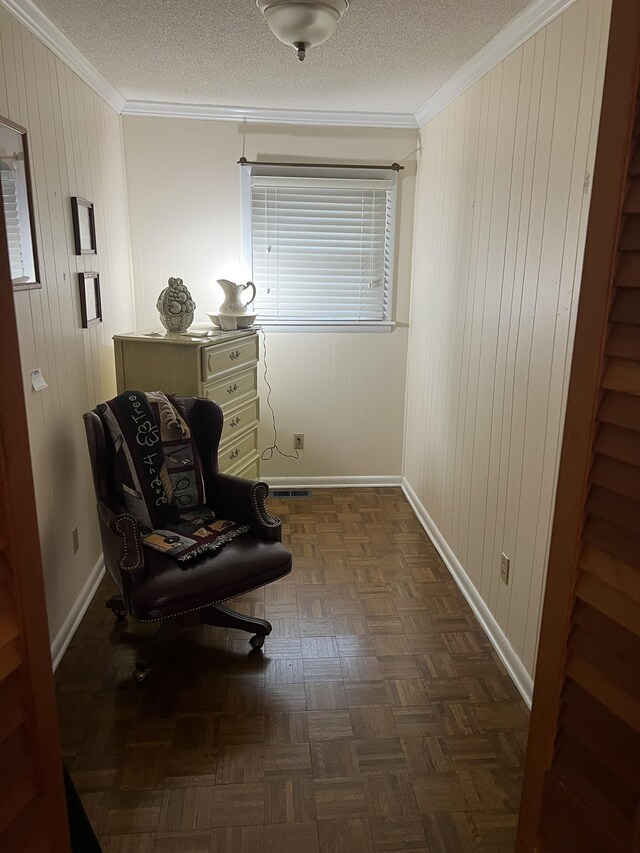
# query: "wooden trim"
37,284
43,825
616,124
17,127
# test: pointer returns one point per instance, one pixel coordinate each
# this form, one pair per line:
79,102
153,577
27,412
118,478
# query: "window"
16,214
322,247
16,201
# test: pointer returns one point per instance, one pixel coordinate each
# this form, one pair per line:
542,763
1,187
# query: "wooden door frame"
603,231
46,814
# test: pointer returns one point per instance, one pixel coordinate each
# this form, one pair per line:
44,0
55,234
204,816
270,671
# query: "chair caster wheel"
257,641
120,615
140,675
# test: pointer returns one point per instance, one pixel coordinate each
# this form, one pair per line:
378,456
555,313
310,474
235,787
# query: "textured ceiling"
386,55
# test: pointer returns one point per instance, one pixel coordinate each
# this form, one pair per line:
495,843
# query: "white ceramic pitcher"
232,303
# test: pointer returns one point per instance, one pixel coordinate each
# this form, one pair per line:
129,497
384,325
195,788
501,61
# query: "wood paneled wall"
502,202
581,788
75,142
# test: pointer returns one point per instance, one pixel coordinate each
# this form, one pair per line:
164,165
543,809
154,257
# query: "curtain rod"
396,167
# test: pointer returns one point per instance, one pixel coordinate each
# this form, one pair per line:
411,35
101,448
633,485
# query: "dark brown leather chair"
154,587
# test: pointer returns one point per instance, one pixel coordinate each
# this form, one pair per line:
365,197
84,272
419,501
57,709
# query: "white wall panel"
75,143
344,391
501,210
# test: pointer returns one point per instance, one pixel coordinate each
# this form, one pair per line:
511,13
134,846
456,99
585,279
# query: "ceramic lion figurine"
175,306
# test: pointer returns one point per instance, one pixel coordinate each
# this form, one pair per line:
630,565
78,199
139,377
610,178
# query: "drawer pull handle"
232,388
234,421
234,355
234,453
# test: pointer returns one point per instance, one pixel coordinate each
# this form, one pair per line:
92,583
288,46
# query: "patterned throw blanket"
160,475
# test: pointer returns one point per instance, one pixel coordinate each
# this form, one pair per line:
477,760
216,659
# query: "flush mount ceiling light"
302,23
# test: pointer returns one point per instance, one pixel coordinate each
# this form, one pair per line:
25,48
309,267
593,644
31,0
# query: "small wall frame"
84,226
90,298
17,203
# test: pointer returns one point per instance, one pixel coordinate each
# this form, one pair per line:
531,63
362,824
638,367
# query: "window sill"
320,328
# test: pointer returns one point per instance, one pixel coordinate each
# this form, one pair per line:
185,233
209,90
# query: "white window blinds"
16,214
12,219
322,248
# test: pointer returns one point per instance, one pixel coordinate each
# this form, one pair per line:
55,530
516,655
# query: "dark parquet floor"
378,720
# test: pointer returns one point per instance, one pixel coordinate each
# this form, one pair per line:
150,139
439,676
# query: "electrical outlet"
75,539
298,441
505,565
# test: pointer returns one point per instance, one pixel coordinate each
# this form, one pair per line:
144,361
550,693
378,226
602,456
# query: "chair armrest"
121,538
243,501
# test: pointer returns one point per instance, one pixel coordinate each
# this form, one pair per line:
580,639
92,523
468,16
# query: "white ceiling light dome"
302,23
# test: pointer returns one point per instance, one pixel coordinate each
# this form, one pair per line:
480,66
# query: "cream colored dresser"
222,366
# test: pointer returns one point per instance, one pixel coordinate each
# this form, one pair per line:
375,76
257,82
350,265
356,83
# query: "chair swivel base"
116,605
216,615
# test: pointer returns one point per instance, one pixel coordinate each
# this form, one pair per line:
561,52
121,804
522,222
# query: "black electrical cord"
268,452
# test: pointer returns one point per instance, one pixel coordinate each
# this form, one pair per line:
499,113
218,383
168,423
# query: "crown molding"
530,21
35,20
267,115
536,16
40,25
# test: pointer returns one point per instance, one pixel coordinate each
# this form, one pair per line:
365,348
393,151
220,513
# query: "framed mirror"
17,202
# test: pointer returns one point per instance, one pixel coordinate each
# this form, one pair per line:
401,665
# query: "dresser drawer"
240,419
234,389
216,360
249,469
238,451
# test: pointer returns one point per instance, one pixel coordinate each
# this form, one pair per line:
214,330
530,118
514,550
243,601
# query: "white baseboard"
70,625
494,632
333,482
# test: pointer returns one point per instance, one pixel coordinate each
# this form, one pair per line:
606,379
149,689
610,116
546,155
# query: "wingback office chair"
153,587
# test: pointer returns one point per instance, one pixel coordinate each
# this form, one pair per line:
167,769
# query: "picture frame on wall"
17,203
90,298
84,226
